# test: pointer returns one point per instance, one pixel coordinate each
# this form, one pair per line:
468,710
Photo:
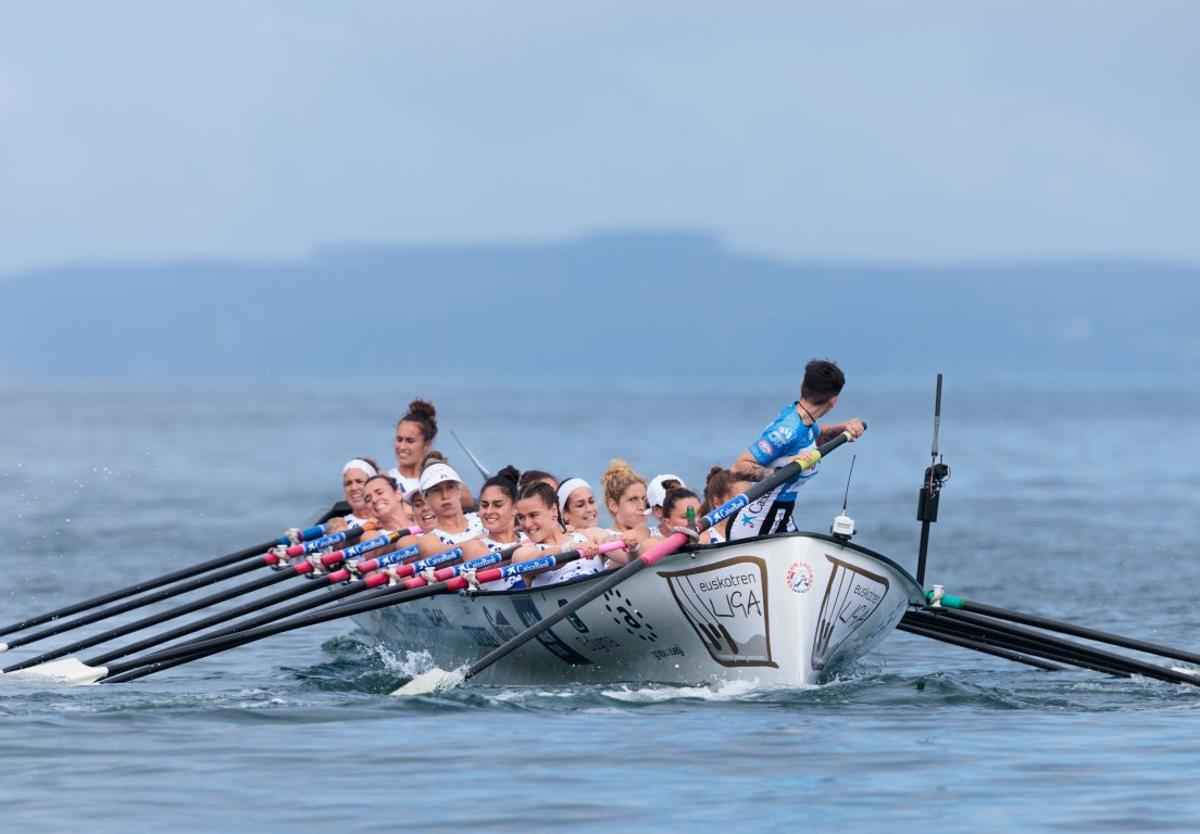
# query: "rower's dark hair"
674,496
544,493
381,476
716,484
823,380
532,476
506,481
424,415
431,457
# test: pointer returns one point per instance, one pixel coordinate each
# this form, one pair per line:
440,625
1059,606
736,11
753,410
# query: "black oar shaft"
155,619
963,642
1079,631
232,635
147,585
984,635
215,619
1088,656
129,605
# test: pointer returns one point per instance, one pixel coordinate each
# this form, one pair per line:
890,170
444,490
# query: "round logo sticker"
800,577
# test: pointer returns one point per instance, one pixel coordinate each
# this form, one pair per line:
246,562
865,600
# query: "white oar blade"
427,683
68,670
1185,670
3,647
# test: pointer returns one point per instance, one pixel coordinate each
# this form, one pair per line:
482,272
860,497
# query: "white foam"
723,691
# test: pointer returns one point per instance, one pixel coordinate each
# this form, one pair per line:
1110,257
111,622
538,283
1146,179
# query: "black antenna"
846,499
931,491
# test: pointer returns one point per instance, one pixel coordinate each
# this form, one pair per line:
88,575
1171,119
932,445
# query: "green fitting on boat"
947,601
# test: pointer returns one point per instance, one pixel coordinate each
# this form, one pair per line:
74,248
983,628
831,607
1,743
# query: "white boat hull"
783,610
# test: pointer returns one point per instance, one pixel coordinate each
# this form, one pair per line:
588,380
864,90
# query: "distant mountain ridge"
621,304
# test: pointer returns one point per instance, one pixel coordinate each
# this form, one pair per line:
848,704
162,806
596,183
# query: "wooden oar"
165,579
436,679
210,578
445,581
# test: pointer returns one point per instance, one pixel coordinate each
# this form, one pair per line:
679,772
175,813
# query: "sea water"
1063,504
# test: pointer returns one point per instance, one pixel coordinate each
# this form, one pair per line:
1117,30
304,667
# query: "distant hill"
608,305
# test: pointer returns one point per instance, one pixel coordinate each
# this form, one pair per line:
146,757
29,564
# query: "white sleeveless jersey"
571,570
405,483
474,530
353,519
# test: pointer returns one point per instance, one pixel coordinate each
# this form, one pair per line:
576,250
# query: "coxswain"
795,432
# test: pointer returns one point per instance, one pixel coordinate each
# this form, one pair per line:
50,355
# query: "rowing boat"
789,609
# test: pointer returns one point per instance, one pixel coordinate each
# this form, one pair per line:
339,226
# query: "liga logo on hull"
726,605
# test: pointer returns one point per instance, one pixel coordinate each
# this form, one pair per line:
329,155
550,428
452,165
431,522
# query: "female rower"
537,512
674,511
625,497
354,478
415,433
720,486
498,510
577,503
442,488
532,476
388,507
498,513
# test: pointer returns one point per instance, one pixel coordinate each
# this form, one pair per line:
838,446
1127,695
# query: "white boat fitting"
782,610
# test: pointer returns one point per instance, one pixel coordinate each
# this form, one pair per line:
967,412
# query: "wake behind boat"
788,609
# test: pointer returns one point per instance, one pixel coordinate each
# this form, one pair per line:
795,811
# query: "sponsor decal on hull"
726,604
851,597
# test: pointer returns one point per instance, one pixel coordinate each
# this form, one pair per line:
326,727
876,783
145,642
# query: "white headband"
566,488
359,463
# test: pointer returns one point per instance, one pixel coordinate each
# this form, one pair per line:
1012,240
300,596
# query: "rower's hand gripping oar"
149,584
438,679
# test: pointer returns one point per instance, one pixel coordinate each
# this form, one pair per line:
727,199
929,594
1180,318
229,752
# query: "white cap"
438,473
655,494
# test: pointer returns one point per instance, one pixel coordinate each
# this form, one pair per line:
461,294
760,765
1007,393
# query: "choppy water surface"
1058,504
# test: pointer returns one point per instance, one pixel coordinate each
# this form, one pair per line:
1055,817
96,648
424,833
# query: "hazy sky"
880,130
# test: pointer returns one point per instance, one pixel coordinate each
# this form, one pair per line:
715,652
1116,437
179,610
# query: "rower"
415,433
389,508
577,504
537,513
498,514
656,491
793,433
442,488
354,478
532,476
672,513
625,497
720,487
